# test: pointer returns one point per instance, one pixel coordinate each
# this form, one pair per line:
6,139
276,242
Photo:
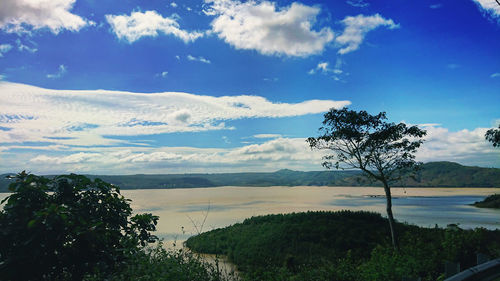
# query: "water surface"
180,210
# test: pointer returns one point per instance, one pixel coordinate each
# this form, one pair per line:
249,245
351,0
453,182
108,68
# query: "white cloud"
4,48
163,74
21,47
269,156
358,3
200,59
24,16
267,136
467,147
495,75
173,4
60,72
86,118
356,29
489,6
150,23
268,29
267,79
324,67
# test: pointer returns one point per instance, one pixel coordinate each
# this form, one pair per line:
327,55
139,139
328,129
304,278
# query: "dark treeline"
340,246
433,174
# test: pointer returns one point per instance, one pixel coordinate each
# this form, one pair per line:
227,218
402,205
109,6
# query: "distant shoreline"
433,174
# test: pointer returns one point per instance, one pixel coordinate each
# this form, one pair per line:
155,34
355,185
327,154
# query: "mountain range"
432,174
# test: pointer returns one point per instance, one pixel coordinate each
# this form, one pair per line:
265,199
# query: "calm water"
181,209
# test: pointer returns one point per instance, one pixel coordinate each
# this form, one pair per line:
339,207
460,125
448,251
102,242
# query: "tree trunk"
392,223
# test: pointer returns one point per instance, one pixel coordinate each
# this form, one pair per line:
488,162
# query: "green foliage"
381,149
493,136
159,264
66,227
384,151
344,246
492,201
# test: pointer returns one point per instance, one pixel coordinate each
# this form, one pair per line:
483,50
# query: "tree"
493,136
383,151
66,227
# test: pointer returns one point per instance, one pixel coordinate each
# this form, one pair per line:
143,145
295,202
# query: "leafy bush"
159,264
66,227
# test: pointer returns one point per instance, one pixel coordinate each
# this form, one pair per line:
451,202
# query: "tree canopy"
493,136
66,227
383,150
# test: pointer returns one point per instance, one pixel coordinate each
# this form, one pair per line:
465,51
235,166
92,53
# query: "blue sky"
127,87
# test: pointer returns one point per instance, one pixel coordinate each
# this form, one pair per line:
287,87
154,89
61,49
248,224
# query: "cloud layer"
24,16
465,147
85,118
150,23
269,29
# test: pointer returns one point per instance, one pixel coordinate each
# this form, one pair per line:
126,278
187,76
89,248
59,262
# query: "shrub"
66,227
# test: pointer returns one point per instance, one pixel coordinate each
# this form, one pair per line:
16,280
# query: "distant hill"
433,174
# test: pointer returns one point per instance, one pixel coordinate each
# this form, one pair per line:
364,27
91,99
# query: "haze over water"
179,208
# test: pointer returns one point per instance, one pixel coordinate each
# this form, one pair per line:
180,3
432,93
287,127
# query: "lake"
185,212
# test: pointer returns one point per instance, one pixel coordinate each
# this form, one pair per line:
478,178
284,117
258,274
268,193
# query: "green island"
492,201
342,245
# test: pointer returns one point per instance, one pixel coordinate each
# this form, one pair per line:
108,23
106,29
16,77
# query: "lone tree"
493,136
383,151
66,227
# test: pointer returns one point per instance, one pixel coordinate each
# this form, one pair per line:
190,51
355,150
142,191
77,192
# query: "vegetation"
159,264
383,151
350,246
492,201
74,228
433,174
493,136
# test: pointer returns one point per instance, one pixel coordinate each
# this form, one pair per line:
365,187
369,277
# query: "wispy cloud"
356,29
436,6
4,48
173,5
267,136
453,66
324,68
55,15
269,29
60,72
22,47
200,59
495,75
69,117
150,23
358,3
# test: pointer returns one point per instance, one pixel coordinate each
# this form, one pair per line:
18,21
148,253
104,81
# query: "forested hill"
433,174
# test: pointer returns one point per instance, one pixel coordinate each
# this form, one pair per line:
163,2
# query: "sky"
127,87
